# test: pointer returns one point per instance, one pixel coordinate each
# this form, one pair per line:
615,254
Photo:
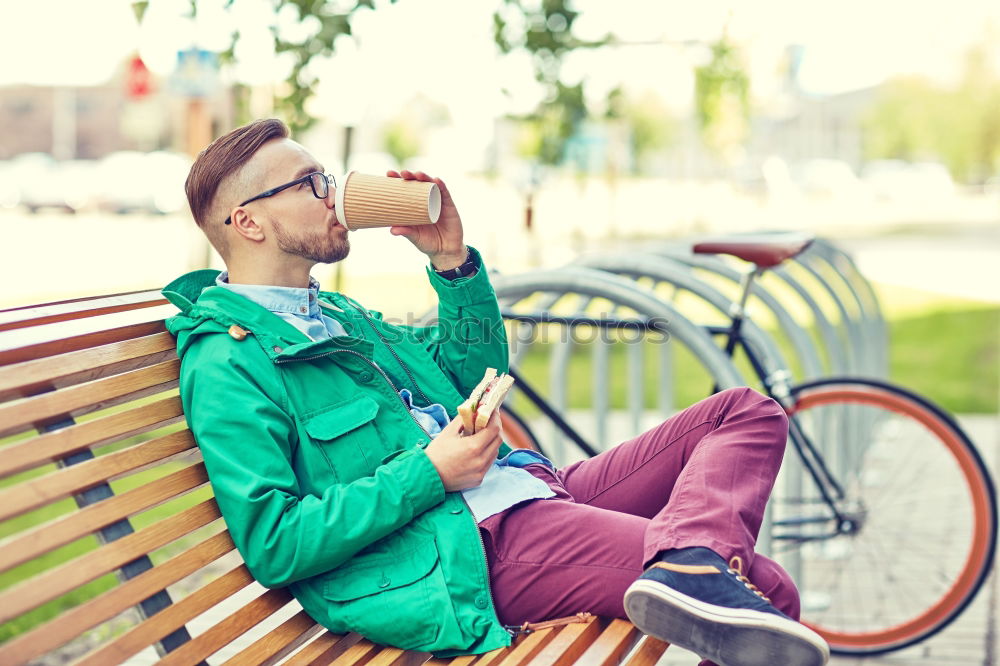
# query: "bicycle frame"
778,387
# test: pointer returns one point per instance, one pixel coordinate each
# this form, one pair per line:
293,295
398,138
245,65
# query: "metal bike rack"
805,349
675,273
870,318
591,284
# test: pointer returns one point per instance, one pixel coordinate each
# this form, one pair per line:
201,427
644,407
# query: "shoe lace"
736,568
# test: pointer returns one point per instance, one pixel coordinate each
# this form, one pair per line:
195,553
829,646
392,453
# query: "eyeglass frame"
329,177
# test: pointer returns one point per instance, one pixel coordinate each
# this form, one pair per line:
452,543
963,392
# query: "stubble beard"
321,247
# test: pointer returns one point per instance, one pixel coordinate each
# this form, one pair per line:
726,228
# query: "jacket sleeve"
468,334
247,437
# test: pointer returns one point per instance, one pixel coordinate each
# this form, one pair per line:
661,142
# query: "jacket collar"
198,298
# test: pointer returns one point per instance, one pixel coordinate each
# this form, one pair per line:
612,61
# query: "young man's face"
294,220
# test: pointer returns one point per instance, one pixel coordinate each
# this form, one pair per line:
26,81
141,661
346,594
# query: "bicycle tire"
516,431
935,496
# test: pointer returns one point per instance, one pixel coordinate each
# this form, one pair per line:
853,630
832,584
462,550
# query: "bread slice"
467,410
492,400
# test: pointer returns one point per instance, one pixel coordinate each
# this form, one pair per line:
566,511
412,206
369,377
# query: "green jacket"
319,469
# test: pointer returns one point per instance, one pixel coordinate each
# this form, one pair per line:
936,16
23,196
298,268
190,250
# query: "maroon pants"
701,478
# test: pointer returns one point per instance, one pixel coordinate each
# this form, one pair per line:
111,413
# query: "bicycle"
863,520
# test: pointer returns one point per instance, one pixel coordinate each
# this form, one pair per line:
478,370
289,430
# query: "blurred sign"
138,80
197,73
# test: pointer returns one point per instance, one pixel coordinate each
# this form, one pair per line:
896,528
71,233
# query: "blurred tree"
545,30
722,99
333,19
914,119
401,139
651,126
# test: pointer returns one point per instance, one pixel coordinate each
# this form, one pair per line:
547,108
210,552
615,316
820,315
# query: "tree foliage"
651,126
333,19
722,98
545,30
914,119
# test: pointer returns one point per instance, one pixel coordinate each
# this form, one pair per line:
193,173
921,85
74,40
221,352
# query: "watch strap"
469,267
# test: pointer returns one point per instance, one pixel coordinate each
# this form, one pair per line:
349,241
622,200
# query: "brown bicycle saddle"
764,250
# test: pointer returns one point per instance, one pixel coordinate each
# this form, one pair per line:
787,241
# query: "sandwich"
484,400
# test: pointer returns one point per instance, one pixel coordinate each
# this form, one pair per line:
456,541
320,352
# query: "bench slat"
84,398
528,647
648,653
570,643
169,619
610,645
454,661
60,443
87,615
358,654
324,649
23,379
57,581
278,643
76,308
42,341
396,657
40,491
37,541
224,632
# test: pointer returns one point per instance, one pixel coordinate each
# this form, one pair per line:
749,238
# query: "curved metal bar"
804,346
653,266
872,317
858,353
622,291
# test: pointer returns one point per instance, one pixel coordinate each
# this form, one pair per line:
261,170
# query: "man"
330,440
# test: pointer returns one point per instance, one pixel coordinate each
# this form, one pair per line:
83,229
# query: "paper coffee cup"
366,202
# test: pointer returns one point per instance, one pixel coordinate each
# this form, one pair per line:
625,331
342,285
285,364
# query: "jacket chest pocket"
346,436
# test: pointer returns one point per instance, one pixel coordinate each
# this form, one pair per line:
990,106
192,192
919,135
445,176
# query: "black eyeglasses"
320,183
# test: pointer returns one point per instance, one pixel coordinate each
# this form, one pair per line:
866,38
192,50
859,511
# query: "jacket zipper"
391,351
489,590
369,362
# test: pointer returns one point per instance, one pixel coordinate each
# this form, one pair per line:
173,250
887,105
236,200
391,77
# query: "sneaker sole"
727,636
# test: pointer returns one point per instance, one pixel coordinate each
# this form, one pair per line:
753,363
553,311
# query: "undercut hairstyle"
220,163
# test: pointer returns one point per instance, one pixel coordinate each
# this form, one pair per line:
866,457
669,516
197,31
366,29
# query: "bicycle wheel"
918,516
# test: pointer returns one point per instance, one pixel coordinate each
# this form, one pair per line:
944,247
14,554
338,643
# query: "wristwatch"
468,268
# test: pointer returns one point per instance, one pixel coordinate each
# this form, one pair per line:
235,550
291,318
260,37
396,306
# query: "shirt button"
277,349
385,582
481,603
366,377
456,511
303,310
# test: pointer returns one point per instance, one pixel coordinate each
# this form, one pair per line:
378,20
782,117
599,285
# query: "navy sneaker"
694,600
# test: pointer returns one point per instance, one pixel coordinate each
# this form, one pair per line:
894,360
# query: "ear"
246,225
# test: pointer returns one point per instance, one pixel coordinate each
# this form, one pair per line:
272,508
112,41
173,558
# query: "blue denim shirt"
504,485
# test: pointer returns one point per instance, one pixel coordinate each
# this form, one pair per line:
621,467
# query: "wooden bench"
110,532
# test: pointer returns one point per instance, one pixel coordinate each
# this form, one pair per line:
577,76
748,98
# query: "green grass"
950,356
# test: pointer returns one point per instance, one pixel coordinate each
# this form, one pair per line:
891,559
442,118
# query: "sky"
444,48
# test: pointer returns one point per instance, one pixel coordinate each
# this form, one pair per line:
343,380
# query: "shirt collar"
301,301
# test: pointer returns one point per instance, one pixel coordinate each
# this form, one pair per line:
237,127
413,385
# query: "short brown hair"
221,159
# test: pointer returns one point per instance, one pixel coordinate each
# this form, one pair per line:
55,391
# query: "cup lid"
338,206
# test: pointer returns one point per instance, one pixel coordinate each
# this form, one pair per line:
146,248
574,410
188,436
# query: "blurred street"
953,252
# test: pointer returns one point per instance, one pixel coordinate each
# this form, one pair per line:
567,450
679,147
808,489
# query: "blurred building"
93,121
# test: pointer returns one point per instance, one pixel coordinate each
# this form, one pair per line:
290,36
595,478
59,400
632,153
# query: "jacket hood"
207,308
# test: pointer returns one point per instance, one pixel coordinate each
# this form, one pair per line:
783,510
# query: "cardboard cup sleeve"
367,202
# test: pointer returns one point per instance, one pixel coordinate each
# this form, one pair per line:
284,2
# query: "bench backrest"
105,507
100,476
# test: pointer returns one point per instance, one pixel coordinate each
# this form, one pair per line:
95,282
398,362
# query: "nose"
331,197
